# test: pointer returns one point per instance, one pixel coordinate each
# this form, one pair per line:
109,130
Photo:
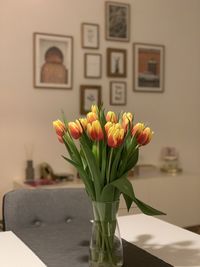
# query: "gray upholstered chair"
54,223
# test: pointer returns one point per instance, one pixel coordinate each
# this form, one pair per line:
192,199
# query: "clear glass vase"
106,245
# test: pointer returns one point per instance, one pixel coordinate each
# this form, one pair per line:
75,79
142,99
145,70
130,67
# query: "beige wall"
26,113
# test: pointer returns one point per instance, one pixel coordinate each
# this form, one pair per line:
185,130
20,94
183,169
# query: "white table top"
168,242
14,253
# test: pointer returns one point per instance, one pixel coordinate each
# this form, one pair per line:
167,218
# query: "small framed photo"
90,35
93,65
117,17
89,95
148,62
117,93
116,62
53,61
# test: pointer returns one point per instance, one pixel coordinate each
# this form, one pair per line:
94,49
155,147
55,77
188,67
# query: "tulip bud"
111,116
107,126
137,129
94,109
59,127
83,122
145,137
115,135
127,118
95,131
75,129
143,134
91,116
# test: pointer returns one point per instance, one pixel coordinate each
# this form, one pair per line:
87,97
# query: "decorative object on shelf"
47,174
148,62
116,63
109,148
30,174
117,93
170,160
53,61
46,171
93,65
89,95
117,21
90,35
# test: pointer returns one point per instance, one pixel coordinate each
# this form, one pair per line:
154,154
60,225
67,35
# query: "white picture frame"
53,61
93,65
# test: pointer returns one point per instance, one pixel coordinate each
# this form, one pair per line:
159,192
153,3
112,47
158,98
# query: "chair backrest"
24,208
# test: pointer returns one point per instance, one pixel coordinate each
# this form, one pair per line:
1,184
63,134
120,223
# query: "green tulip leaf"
146,209
88,183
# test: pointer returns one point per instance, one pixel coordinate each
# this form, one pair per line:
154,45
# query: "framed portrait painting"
53,61
89,95
90,35
117,17
148,66
117,93
116,62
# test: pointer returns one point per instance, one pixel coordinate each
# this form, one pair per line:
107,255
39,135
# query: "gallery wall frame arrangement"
90,35
117,21
148,67
89,95
118,93
52,61
116,62
92,65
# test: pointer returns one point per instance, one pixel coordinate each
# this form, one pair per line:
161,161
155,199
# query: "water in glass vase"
106,245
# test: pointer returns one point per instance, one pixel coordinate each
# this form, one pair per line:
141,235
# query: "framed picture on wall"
117,93
148,62
53,61
116,62
117,17
90,35
89,95
93,65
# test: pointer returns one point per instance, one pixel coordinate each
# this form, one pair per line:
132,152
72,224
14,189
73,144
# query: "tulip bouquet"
108,150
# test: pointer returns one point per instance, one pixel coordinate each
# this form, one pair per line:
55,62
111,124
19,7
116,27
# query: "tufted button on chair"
54,223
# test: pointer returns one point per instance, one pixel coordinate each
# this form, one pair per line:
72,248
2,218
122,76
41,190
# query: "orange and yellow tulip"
91,116
83,122
95,131
75,129
143,134
115,135
127,118
137,129
111,116
94,109
60,129
107,126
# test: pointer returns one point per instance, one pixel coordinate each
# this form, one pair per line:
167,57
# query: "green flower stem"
109,165
98,152
105,225
105,241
